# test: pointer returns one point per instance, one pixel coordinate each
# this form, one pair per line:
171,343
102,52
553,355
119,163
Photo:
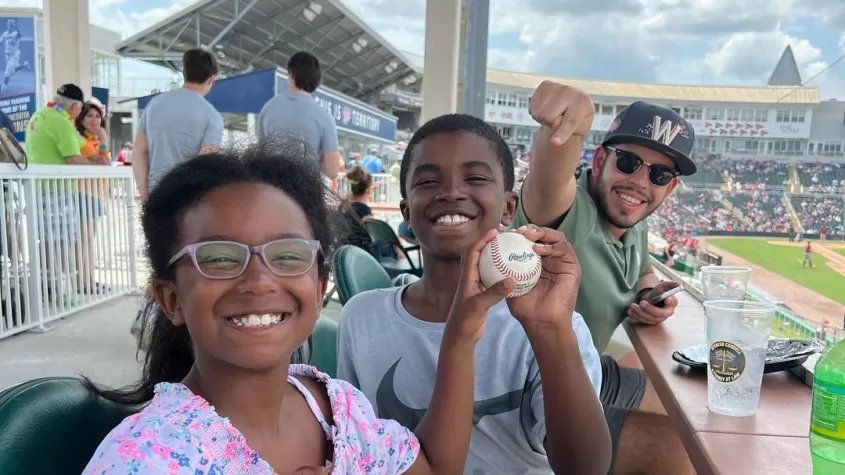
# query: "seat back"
381,232
385,246
356,271
324,346
52,425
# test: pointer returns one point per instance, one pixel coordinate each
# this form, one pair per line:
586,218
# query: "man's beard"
617,219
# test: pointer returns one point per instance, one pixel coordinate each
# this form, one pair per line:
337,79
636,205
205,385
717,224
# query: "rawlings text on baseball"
511,255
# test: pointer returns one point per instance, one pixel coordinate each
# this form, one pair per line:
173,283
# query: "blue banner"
101,94
242,94
352,116
17,91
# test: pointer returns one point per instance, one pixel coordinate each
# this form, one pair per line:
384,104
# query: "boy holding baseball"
456,180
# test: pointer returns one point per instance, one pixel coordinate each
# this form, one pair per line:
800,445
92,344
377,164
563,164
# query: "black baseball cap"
71,91
658,128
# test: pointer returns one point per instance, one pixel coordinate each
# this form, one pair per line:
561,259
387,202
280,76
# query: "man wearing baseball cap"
635,169
51,137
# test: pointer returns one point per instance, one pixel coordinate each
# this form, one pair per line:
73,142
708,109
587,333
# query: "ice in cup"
737,338
725,282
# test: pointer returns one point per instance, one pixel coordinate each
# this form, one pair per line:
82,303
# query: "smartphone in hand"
659,301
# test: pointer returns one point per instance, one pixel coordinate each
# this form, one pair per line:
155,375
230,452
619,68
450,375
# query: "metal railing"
69,239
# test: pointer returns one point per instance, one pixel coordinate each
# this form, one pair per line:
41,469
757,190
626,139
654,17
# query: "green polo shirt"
610,268
51,138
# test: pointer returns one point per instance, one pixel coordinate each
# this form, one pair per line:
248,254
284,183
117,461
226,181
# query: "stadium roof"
257,34
786,72
666,92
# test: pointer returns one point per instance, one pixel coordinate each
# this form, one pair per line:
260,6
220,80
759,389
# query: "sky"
725,42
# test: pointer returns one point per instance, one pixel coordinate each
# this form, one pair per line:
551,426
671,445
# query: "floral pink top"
180,433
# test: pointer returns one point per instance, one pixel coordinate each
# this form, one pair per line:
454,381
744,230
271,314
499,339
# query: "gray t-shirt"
392,358
299,116
178,124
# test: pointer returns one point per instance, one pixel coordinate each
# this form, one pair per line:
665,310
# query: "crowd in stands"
687,211
826,178
764,211
745,174
758,211
756,196
818,212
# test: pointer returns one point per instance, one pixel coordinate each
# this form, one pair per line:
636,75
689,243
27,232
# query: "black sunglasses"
629,163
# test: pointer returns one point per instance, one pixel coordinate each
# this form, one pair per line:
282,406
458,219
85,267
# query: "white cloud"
688,41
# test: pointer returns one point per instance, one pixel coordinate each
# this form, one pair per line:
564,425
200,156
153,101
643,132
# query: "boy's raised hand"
552,300
469,309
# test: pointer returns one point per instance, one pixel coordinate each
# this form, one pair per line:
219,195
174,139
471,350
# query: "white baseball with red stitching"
510,255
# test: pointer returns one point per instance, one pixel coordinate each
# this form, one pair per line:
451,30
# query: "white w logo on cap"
664,131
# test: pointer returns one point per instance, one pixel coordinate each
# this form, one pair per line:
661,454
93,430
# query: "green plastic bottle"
827,423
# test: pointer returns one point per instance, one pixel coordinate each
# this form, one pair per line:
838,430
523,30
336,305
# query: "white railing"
69,239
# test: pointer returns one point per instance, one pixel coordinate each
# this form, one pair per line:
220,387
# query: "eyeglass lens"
629,163
287,257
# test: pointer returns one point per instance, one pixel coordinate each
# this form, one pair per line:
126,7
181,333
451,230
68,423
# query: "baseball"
512,255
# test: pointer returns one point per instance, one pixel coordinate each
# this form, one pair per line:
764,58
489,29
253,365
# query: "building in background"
780,119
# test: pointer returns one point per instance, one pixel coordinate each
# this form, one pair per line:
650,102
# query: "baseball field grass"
786,262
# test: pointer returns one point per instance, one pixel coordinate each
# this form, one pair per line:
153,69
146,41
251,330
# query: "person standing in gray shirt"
178,124
295,113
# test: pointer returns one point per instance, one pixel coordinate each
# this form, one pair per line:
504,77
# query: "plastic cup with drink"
737,338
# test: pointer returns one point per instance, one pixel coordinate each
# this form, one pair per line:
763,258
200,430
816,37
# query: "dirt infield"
803,301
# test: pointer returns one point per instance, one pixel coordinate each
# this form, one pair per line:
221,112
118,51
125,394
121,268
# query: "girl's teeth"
255,320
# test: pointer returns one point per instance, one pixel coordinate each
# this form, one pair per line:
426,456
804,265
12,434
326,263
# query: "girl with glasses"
238,246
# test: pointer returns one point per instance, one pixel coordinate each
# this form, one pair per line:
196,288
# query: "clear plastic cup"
738,337
725,282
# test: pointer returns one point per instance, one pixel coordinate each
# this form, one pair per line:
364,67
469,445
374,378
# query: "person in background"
669,251
361,189
354,161
395,169
178,124
91,125
125,154
808,255
823,235
52,139
372,162
294,113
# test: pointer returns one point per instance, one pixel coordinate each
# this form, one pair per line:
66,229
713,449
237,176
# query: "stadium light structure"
312,10
359,45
